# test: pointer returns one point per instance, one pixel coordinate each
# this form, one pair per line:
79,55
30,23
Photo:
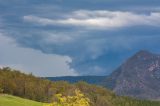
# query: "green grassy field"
8,100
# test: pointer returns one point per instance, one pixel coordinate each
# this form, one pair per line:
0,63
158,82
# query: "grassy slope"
8,100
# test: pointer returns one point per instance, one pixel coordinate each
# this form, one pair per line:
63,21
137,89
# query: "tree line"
28,86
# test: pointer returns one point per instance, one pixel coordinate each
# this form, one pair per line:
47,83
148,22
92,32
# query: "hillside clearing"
8,100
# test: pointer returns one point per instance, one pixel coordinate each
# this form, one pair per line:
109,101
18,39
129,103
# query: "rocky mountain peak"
143,54
138,77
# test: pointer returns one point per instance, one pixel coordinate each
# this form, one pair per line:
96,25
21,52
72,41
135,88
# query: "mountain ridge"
138,77
74,79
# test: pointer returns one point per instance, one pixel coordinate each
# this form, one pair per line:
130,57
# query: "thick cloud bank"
32,61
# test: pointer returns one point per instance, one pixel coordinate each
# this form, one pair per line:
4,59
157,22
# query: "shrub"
78,100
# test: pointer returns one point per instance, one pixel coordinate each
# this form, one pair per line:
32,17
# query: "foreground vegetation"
77,100
60,93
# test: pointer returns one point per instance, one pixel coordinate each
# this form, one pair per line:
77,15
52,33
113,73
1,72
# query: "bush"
78,100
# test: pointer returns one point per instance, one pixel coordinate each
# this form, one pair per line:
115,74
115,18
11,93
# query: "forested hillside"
28,86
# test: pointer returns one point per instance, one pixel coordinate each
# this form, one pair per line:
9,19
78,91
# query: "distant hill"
138,77
75,79
8,100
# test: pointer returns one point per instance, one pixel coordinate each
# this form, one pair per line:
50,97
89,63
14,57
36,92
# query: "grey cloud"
100,19
31,60
67,27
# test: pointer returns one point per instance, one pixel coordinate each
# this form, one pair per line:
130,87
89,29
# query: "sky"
76,37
